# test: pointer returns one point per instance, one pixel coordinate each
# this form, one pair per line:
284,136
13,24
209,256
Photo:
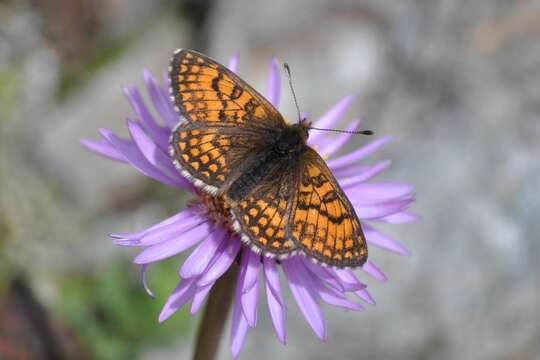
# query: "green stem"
215,315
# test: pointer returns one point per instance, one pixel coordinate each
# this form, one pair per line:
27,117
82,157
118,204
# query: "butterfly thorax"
291,141
283,150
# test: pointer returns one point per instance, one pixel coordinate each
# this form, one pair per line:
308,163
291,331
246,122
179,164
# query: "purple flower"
217,248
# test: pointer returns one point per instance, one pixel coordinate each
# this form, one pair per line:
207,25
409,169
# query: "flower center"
216,209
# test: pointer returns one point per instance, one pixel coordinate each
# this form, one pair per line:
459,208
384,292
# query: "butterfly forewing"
323,222
204,90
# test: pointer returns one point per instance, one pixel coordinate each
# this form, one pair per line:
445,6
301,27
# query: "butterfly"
232,143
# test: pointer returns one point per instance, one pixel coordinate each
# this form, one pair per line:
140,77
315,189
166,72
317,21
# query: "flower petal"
221,263
374,271
103,148
164,233
368,193
153,153
173,246
274,299
359,153
198,298
373,211
180,295
337,142
273,88
271,275
160,99
239,325
144,270
367,173
137,160
187,213
250,290
305,298
233,62
324,274
402,217
336,298
365,295
330,119
348,279
199,259
157,133
385,242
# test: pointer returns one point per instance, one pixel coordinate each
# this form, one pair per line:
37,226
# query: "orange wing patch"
206,155
262,224
204,90
323,223
262,217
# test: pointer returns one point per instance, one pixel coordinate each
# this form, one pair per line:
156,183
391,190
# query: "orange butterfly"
233,144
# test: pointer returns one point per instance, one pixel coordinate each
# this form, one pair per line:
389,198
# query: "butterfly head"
292,140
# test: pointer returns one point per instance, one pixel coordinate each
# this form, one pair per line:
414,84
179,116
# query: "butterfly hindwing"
323,223
211,156
261,217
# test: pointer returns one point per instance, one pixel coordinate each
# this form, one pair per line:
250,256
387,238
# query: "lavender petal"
137,160
274,299
337,143
180,295
164,233
305,298
157,133
368,172
368,193
385,242
198,298
239,325
159,99
185,214
374,271
273,87
359,153
144,270
365,295
373,211
233,62
250,290
221,263
403,217
330,119
200,258
172,247
153,153
103,148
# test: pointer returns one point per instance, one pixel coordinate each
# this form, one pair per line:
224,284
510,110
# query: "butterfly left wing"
261,217
323,223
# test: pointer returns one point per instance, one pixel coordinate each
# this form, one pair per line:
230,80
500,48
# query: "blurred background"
456,82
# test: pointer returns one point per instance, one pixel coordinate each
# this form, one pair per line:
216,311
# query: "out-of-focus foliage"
114,317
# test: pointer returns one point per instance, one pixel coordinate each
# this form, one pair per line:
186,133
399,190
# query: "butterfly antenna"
361,132
288,70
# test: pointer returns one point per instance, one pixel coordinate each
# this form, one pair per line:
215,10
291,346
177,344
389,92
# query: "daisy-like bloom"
206,225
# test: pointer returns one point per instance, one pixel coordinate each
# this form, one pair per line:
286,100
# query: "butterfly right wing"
323,223
224,121
204,90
